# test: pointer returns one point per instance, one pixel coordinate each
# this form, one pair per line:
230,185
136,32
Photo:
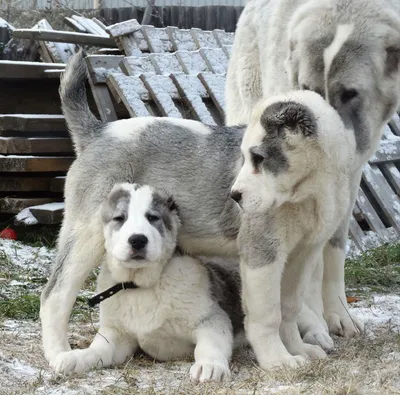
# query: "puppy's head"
292,142
140,225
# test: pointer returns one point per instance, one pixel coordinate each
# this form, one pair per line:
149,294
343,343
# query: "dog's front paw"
343,324
287,360
76,361
210,370
319,338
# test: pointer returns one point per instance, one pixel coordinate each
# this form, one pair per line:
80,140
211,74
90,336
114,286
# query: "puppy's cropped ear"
392,59
292,117
171,204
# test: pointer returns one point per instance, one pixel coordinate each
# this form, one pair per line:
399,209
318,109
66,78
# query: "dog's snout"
236,196
138,242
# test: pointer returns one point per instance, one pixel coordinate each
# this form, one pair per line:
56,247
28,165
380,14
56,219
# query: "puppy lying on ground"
153,298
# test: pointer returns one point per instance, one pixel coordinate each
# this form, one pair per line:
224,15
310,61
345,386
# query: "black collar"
110,292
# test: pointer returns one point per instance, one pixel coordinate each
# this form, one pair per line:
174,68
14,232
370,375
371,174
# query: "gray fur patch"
117,205
257,242
339,238
225,287
165,207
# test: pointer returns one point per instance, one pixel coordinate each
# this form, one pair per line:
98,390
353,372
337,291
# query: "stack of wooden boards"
181,73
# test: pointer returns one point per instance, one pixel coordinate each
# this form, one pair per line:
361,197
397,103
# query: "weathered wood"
57,184
181,39
15,205
388,151
384,195
14,163
204,38
158,40
124,28
215,59
50,213
75,25
100,66
42,145
26,184
223,38
135,65
129,90
26,70
165,64
103,102
64,37
32,123
162,89
192,62
356,234
192,92
215,85
90,26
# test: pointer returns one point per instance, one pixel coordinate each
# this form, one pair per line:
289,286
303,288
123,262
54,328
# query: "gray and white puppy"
179,304
348,51
290,175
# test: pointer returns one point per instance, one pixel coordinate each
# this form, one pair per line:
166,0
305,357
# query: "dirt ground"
367,365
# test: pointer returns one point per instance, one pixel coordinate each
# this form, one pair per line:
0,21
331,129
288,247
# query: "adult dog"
349,52
296,159
148,292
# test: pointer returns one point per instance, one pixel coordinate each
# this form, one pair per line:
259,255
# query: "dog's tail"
83,126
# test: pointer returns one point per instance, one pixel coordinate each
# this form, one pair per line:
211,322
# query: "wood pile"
181,73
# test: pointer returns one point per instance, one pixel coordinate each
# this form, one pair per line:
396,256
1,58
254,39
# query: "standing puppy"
348,51
155,299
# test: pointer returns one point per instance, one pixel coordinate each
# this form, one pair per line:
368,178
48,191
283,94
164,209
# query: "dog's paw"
311,351
209,370
344,324
290,361
321,339
76,361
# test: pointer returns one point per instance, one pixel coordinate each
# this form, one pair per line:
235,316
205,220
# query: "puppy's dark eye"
119,218
152,218
256,159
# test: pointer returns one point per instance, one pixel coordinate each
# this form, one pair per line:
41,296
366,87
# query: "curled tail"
83,126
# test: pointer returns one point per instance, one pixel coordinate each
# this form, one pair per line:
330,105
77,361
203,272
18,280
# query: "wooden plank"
124,28
50,213
57,184
108,51
53,74
181,39
32,123
26,184
64,37
388,151
162,89
192,62
16,163
75,25
59,52
157,39
228,50
129,90
90,26
356,234
165,64
215,59
134,65
215,86
370,214
104,103
42,145
100,66
204,38
223,38
99,23
14,205
384,195
192,92
395,124
26,70
392,174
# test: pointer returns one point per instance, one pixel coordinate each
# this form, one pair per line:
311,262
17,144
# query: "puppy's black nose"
236,196
138,242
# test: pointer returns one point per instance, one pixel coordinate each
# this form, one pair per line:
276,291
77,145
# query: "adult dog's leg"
297,272
108,348
214,342
336,310
261,263
311,323
80,249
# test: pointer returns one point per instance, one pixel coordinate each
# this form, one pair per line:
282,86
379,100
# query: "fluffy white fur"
304,205
171,315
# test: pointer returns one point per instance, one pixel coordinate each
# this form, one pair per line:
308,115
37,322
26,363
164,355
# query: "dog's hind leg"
80,249
336,311
297,272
